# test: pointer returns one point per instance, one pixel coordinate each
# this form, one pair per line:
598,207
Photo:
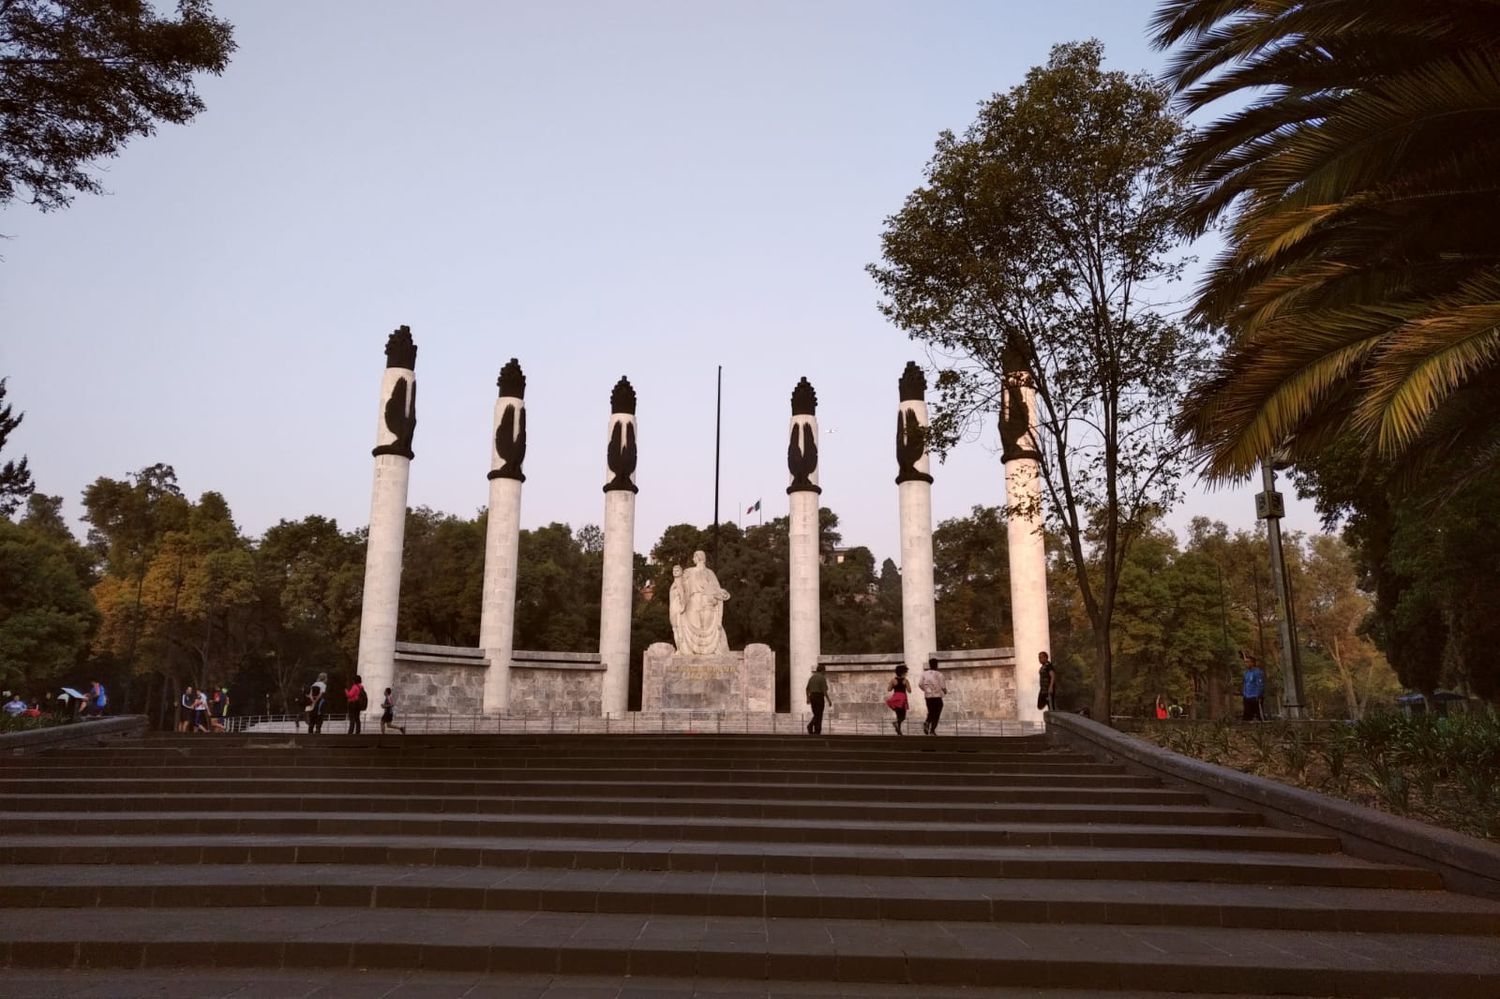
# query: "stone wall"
563,683
429,686
981,684
441,679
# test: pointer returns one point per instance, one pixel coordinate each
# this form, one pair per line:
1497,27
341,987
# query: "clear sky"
641,188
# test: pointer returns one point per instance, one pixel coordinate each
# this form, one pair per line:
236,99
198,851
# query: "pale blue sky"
599,189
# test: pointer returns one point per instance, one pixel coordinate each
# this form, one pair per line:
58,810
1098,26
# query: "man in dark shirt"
817,697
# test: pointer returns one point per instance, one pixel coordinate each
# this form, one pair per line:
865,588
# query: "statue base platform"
731,681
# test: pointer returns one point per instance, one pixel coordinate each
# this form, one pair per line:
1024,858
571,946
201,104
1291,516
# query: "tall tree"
15,477
973,581
80,78
46,613
1037,243
1355,184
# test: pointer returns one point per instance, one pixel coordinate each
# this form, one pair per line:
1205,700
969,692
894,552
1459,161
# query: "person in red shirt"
1161,709
355,695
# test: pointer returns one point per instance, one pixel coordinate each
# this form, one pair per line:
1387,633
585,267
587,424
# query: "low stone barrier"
1466,864
83,732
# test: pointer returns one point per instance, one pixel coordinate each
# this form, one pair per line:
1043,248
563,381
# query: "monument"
1030,631
497,611
699,672
395,426
802,492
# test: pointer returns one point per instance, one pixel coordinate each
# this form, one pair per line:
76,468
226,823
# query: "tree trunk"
1103,675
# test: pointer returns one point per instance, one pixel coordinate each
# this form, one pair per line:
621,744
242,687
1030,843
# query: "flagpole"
718,420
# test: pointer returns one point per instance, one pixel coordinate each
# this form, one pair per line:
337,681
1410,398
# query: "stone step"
1147,903
1119,863
1297,962
340,801
1003,777
872,793
743,741
698,828
795,755
364,983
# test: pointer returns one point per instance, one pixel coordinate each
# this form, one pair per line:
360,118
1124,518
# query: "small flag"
754,508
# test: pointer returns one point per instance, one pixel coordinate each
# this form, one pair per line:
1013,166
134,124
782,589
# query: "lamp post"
1270,507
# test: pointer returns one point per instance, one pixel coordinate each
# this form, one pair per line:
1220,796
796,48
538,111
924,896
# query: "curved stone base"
734,681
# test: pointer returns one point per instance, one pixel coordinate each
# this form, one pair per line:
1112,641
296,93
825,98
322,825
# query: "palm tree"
1359,193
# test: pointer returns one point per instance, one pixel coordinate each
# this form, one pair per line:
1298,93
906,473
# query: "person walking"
898,697
817,698
185,708
317,704
98,699
1046,689
388,713
1253,692
358,701
934,687
200,712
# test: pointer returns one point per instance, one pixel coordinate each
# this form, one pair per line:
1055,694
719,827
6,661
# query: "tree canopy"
80,78
1038,242
1356,193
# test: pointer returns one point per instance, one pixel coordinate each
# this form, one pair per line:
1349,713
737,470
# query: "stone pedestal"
735,681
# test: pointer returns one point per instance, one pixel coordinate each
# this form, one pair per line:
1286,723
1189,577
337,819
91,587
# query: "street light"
1270,507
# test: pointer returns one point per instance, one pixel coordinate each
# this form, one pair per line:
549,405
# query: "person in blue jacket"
1254,690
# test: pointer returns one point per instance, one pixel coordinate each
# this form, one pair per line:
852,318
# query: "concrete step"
700,828
1119,903
340,801
981,792
1211,959
908,776
390,983
1121,863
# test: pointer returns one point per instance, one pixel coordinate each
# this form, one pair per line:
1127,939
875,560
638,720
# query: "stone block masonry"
444,679
735,681
981,684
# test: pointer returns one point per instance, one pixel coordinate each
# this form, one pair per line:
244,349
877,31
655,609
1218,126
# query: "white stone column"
914,479
618,590
395,425
497,612
1027,545
805,640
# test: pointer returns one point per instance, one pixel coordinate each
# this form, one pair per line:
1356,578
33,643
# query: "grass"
1445,771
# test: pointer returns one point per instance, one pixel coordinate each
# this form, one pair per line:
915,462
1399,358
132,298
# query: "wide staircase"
686,865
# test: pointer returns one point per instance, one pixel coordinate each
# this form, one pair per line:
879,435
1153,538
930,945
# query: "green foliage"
15,476
46,613
1443,770
1359,278
83,77
1034,245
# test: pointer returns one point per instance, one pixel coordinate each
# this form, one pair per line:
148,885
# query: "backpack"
364,699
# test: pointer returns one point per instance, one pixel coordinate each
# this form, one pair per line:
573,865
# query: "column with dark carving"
619,550
395,427
914,480
1027,549
802,530
497,613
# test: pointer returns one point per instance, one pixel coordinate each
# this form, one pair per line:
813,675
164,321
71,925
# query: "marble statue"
698,612
674,608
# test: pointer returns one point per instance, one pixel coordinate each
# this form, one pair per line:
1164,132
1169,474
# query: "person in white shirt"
933,688
15,707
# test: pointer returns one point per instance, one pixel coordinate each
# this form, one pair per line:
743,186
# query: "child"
388,713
